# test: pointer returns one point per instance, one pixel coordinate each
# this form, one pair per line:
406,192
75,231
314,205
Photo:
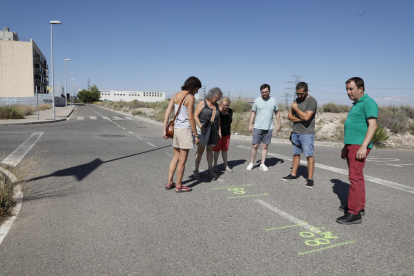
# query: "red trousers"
356,198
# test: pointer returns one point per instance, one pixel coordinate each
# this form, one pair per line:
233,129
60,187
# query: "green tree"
91,96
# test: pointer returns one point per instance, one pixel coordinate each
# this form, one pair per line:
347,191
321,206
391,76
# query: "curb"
40,122
233,136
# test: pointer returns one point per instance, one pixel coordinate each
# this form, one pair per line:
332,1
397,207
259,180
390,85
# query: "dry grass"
44,106
8,186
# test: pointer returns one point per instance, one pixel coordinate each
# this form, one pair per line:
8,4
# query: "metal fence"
59,101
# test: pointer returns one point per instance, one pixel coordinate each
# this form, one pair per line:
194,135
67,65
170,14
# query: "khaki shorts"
183,138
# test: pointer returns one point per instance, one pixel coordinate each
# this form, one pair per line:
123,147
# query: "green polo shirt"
356,124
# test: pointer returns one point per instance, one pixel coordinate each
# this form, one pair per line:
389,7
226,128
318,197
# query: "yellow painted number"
237,191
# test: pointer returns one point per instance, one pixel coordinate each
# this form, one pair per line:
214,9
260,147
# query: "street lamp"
72,84
66,91
71,90
53,80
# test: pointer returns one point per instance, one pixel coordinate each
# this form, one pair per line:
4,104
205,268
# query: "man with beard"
302,137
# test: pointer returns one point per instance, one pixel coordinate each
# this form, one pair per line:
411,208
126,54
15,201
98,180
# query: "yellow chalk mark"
283,227
320,249
231,187
246,196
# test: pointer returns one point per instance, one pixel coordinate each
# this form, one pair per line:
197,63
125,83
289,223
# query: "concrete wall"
59,101
16,69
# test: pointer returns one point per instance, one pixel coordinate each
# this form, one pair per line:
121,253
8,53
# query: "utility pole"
89,86
296,81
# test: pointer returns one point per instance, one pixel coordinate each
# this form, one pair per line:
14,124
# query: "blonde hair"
225,100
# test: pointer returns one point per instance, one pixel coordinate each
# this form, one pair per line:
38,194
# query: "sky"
234,45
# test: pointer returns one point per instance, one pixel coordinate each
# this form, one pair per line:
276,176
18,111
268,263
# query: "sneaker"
309,183
263,167
289,177
349,218
250,167
343,208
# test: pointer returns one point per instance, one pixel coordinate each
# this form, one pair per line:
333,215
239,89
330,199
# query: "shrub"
393,118
44,106
240,106
26,109
240,123
138,112
411,128
10,112
380,135
335,108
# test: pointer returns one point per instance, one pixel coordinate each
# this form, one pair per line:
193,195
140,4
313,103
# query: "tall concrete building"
22,67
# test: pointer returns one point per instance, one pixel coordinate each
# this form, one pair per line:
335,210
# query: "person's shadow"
341,189
270,162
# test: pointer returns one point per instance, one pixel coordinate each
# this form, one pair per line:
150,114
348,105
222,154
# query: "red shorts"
222,144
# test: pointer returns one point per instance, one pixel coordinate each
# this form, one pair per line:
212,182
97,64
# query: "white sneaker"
250,167
263,167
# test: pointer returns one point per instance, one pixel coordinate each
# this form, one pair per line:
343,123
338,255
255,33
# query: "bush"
44,106
380,135
240,123
10,112
411,128
26,109
335,108
393,118
241,106
138,112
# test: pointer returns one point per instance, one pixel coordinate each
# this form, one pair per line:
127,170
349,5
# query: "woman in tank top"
203,114
184,130
226,118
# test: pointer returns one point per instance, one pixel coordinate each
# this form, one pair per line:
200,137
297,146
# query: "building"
128,96
23,67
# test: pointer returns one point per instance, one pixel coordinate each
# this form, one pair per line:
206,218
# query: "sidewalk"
45,116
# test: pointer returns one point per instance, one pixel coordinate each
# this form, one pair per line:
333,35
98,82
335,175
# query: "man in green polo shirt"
359,128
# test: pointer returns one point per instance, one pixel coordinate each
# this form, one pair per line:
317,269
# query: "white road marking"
9,174
81,118
106,118
5,227
345,172
220,180
93,118
399,165
287,216
139,137
128,118
17,155
130,131
382,159
123,128
152,145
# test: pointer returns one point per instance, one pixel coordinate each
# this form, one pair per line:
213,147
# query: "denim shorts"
306,141
262,136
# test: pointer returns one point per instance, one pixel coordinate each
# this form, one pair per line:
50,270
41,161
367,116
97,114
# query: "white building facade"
128,96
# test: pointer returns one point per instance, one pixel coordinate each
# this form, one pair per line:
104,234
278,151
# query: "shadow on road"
82,171
341,189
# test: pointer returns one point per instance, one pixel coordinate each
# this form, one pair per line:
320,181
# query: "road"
96,205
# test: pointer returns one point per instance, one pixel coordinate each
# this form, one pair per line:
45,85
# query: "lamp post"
71,90
53,80
72,83
66,91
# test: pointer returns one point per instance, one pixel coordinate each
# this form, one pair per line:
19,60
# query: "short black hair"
301,85
191,83
264,86
358,81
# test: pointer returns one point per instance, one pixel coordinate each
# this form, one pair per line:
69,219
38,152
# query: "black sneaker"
289,177
309,183
349,218
344,209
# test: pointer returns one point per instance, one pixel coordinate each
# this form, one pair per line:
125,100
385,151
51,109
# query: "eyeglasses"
264,92
300,94
225,105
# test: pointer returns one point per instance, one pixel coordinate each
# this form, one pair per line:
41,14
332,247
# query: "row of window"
136,95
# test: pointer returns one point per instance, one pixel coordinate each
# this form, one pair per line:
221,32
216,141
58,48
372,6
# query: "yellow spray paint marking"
323,248
284,227
231,187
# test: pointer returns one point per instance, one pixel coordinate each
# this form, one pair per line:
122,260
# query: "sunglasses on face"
300,94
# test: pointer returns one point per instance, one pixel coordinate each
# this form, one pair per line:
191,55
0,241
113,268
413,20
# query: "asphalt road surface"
96,205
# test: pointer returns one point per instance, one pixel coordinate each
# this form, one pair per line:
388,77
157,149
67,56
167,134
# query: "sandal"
196,175
182,189
170,186
213,174
229,170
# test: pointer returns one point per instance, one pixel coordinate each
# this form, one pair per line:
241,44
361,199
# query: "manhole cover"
112,135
